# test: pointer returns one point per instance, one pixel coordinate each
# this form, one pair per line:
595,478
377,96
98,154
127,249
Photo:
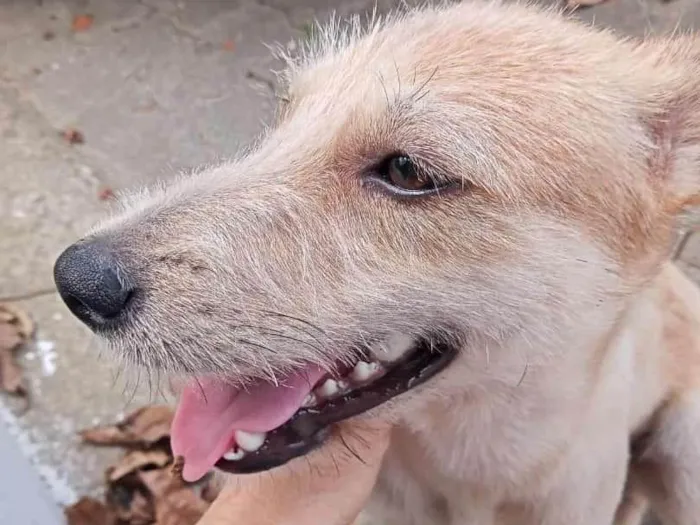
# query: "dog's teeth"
234,454
328,389
309,401
249,441
364,371
343,386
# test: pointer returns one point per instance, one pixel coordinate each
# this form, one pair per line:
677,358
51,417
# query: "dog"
460,222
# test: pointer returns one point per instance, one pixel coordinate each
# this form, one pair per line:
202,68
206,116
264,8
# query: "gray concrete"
156,86
23,496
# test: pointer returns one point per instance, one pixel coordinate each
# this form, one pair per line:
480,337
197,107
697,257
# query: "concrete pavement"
24,498
156,87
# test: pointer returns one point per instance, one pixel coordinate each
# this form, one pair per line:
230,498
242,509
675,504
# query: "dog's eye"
401,173
402,176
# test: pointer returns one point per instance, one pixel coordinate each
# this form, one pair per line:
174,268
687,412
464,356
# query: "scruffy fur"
579,361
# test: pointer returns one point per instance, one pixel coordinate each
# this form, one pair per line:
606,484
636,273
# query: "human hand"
328,486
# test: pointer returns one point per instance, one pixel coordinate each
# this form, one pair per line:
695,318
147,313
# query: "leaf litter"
16,329
145,486
82,22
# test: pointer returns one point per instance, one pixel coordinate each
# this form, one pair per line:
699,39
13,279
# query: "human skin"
329,486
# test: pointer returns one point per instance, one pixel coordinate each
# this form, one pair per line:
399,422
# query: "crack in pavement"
14,298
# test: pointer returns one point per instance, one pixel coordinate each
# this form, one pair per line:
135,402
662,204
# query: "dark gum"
308,428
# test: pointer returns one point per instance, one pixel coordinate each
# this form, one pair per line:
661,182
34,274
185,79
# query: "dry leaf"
180,507
124,498
143,427
131,506
108,435
141,511
15,329
175,503
17,317
89,511
82,22
11,379
73,136
159,482
137,460
141,487
10,338
573,4
229,45
178,466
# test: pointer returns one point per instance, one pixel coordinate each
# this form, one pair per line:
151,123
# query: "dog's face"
446,184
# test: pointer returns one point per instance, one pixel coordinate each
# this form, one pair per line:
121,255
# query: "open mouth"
264,426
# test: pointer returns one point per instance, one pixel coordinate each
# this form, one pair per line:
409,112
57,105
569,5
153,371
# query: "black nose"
91,283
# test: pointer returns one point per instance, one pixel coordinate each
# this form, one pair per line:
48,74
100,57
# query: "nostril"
92,283
75,306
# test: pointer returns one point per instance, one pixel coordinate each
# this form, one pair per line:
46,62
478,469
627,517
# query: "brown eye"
403,174
400,176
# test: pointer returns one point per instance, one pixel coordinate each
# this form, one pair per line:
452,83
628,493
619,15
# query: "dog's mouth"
262,426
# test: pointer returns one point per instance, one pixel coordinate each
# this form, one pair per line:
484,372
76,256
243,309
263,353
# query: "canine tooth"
328,389
309,401
234,454
249,441
364,371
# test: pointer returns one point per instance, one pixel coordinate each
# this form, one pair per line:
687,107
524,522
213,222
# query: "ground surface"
155,86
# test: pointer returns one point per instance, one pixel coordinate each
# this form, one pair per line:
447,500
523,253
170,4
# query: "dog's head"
435,189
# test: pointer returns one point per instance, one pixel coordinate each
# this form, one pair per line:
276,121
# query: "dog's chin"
265,426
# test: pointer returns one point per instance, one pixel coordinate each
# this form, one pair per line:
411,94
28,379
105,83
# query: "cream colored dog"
459,222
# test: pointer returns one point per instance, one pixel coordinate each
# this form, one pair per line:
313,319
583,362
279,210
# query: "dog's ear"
674,121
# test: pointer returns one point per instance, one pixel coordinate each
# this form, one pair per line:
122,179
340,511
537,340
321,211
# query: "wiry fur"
575,151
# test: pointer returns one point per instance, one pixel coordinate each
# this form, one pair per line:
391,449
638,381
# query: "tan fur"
575,150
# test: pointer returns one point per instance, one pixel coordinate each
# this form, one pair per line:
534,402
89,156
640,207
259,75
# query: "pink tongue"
210,411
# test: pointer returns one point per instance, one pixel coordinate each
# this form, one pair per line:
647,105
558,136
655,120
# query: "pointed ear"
674,124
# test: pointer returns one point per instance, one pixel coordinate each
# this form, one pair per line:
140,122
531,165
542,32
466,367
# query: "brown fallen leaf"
159,482
82,22
10,338
141,488
574,4
178,465
137,460
17,317
141,511
11,379
228,45
72,136
130,505
180,507
15,329
175,503
89,511
143,427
